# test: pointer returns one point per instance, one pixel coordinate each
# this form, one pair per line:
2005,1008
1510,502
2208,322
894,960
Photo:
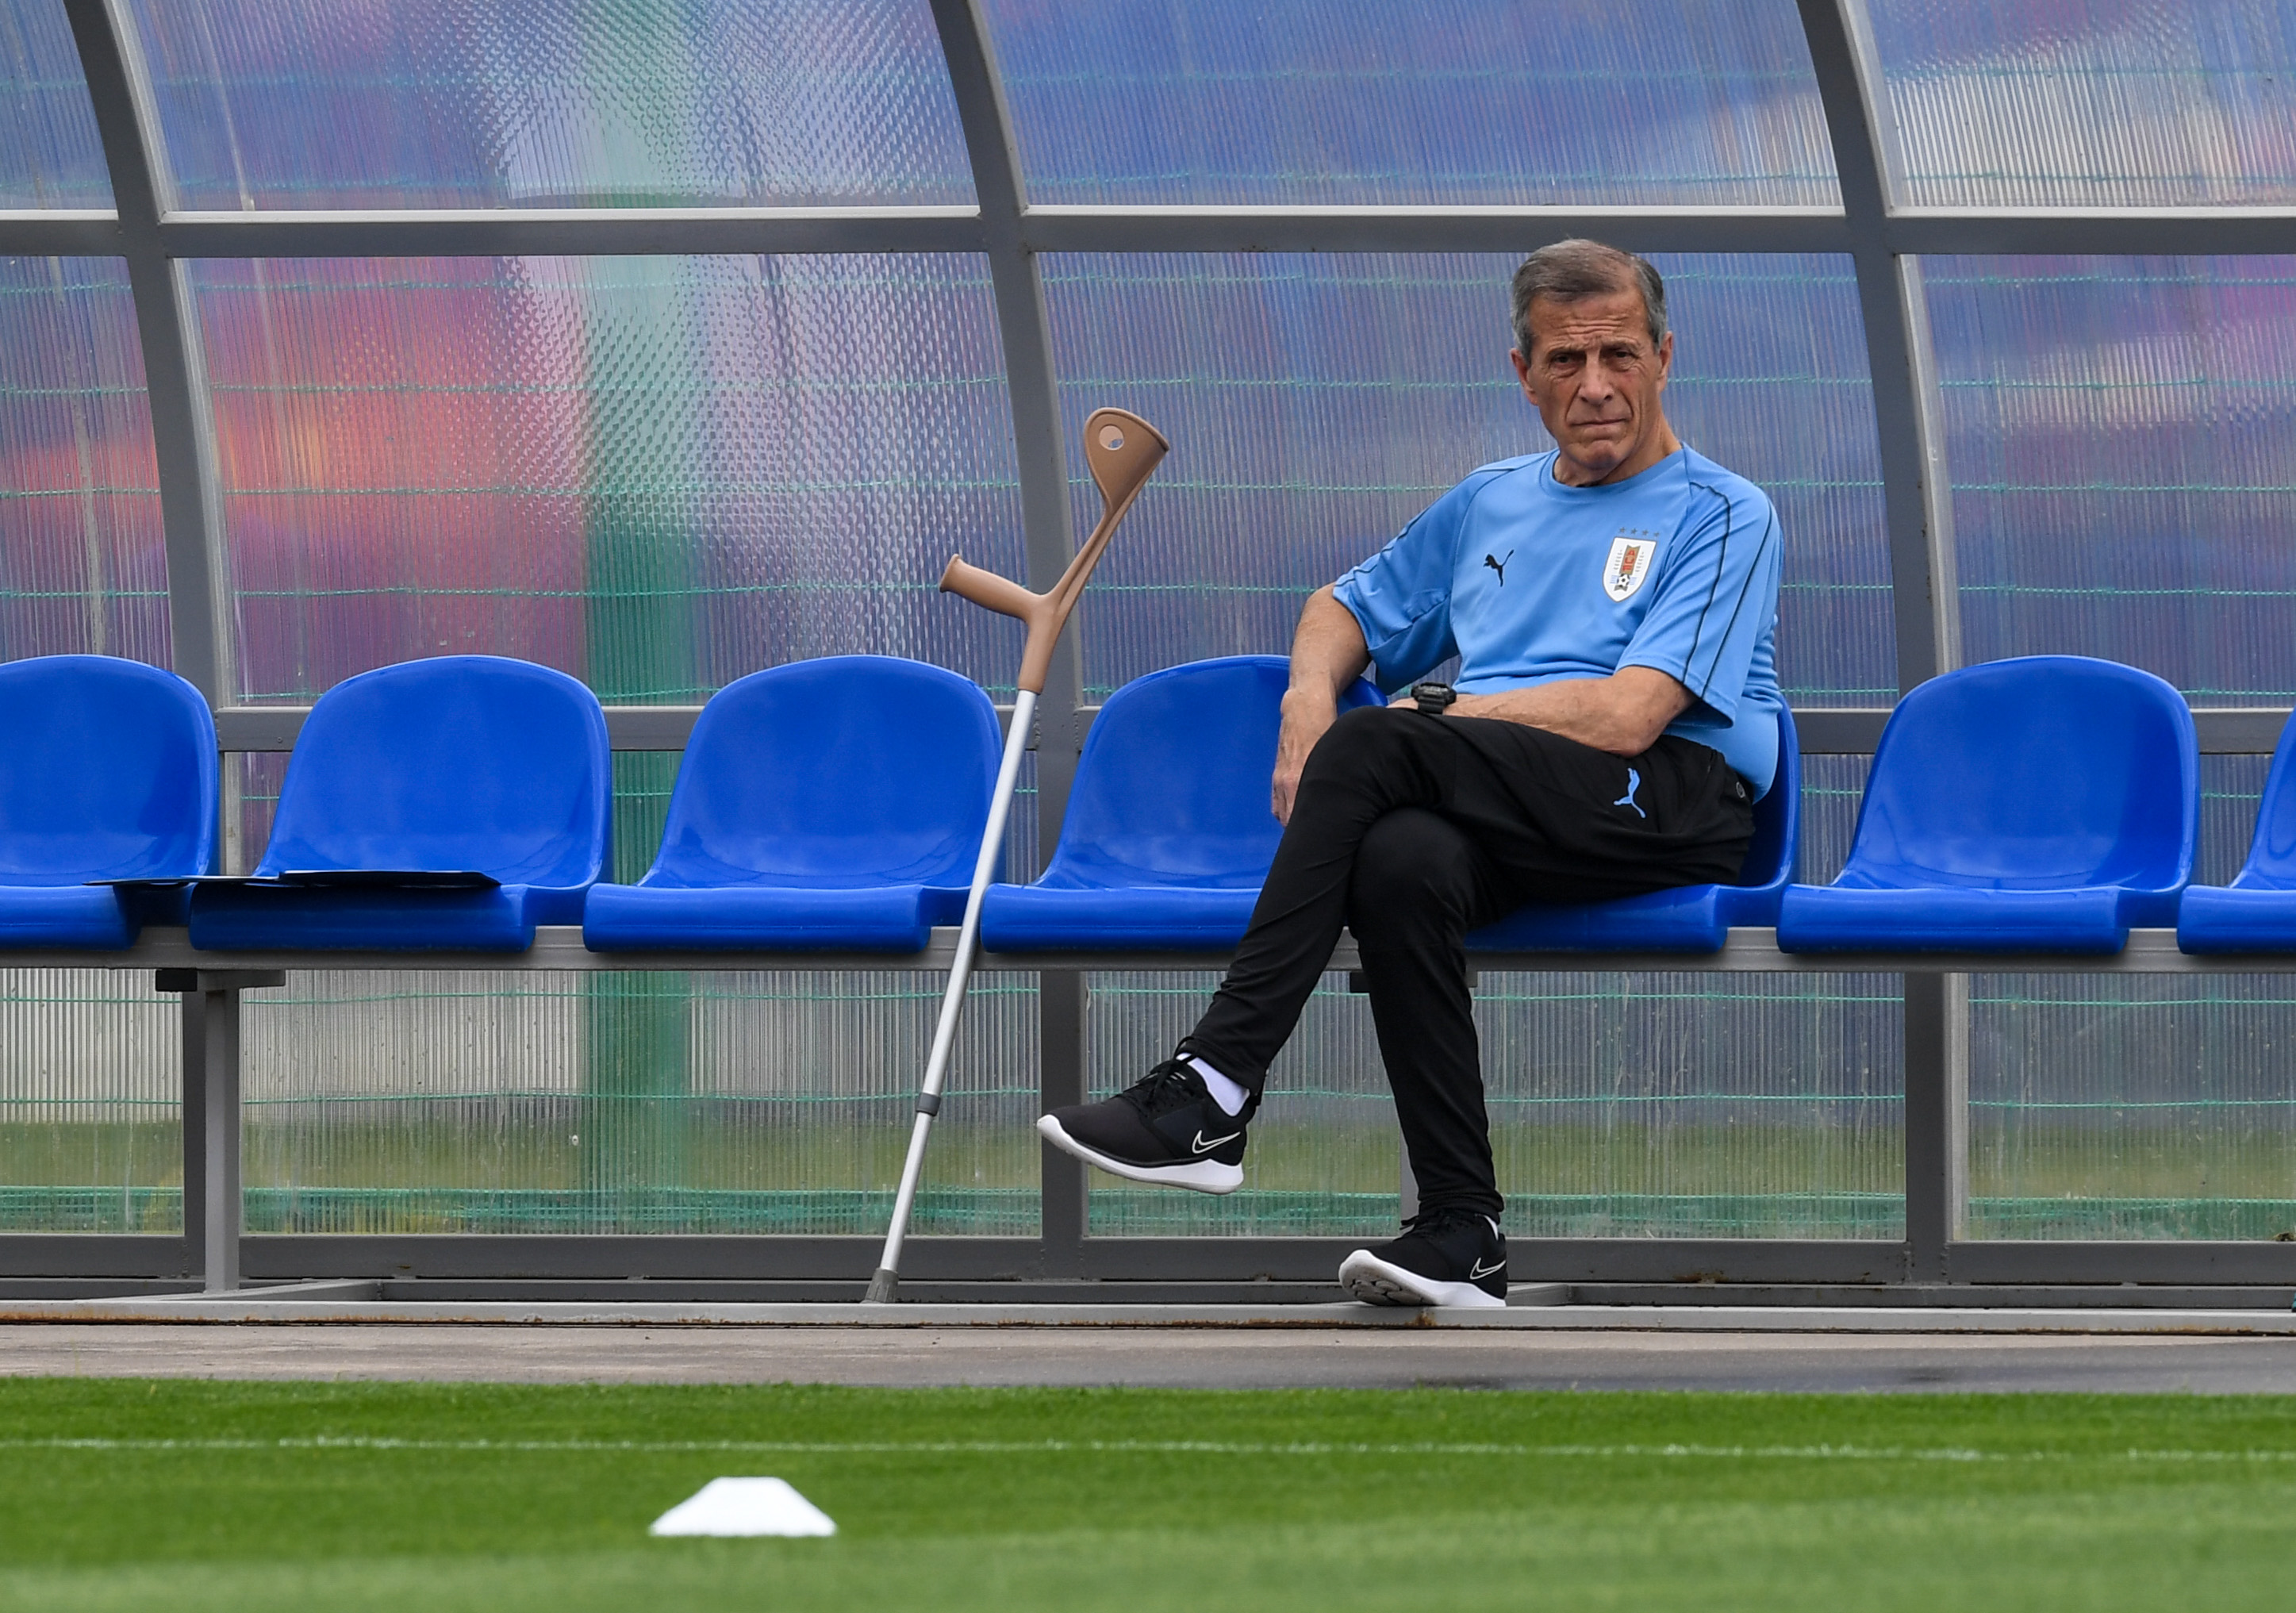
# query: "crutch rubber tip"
882,1287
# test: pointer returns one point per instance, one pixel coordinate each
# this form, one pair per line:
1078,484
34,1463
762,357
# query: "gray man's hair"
1569,270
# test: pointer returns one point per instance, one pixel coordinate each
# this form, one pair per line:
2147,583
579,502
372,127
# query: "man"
1612,604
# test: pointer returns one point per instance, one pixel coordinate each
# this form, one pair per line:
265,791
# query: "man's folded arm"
1623,714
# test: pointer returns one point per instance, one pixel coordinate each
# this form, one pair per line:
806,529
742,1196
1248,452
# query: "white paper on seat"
745,1506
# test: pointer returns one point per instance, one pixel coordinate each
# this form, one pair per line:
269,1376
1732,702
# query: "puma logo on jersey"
1498,565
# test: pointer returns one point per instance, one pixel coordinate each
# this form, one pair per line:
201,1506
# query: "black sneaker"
1167,1130
1445,1257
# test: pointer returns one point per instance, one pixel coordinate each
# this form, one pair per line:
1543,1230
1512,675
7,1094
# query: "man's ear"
1665,358
1522,371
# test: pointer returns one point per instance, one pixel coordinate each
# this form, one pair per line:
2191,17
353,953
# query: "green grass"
195,1495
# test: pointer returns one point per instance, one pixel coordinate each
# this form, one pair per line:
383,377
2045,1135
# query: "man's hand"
1306,714
1623,714
1328,654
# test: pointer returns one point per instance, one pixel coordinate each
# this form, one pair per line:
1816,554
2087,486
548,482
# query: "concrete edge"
198,1309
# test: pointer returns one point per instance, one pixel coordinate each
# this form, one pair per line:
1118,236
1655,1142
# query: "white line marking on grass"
1148,1448
744,1507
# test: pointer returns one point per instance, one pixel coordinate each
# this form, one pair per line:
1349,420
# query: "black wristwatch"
1434,698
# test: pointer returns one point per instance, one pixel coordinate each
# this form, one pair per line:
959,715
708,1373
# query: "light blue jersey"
1529,581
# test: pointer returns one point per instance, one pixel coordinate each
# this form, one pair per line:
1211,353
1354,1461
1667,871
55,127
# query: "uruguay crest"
1632,557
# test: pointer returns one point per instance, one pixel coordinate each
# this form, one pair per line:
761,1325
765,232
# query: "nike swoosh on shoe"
1478,1271
1203,1147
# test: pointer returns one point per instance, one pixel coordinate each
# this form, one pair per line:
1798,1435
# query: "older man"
1611,603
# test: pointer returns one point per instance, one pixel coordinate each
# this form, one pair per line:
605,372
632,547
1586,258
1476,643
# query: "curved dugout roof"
618,443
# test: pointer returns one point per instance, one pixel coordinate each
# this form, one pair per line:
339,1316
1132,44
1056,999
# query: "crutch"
1122,451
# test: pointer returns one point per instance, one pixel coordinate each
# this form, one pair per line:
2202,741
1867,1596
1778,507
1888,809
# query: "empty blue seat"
2045,804
464,764
107,772
2256,912
1167,835
1689,918
829,804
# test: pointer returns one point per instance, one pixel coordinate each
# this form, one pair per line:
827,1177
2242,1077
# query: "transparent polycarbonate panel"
91,1115
554,103
823,1069
2138,1107
50,154
1622,1105
696,1104
2117,436
1832,786
83,558
642,786
1316,403
1446,101
2131,1107
1760,1106
2232,788
2097,103
655,473
1024,857
1325,1157
250,799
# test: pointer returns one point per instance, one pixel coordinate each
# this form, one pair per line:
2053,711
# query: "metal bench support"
214,1205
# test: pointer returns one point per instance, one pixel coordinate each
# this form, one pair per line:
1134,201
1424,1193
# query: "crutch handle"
1000,593
1122,451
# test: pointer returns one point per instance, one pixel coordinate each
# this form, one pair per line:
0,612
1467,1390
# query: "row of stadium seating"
2044,806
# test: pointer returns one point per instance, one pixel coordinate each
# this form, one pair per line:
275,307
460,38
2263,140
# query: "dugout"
660,345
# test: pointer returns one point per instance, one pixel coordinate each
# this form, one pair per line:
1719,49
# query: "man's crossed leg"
1411,831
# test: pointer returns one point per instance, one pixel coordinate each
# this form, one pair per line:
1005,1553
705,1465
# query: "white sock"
1224,1093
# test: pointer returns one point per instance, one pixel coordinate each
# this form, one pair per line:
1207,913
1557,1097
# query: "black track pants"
1411,831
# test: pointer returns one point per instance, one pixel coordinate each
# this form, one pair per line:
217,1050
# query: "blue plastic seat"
2043,805
1689,918
107,772
2256,912
465,763
828,803
1168,835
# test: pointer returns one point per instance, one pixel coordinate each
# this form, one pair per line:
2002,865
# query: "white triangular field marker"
745,1506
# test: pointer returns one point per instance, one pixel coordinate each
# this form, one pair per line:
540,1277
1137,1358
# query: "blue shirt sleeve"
1401,596
1716,593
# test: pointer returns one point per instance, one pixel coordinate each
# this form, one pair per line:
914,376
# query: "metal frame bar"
60,233
617,231
2161,232
1824,730
1901,231
1033,386
558,949
214,1197
1874,227
1917,503
511,1258
580,231
183,435
1849,77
